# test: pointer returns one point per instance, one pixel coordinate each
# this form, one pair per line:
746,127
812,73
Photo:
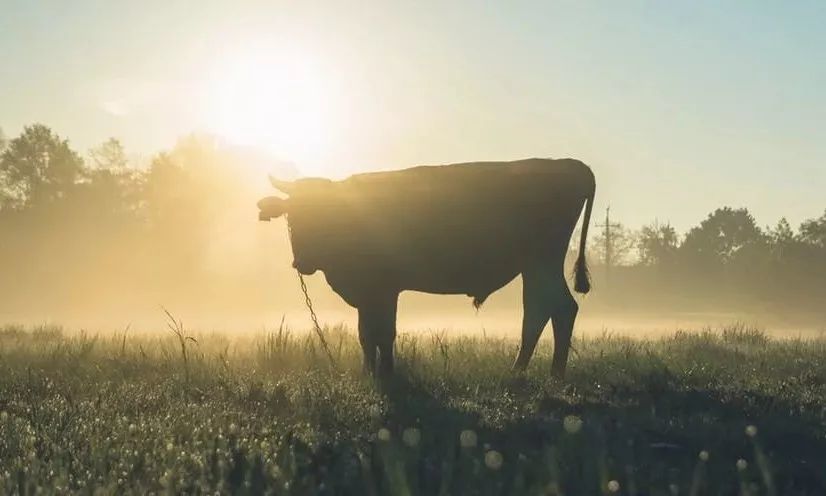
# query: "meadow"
714,411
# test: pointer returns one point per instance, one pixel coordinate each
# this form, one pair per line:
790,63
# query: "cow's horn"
283,186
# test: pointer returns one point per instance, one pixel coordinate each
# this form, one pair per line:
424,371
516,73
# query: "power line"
607,226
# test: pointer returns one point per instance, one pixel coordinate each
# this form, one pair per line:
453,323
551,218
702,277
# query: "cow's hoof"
517,380
558,375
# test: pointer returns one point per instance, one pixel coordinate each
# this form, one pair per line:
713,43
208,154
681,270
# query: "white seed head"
384,434
742,464
468,439
572,424
703,455
411,437
493,460
751,431
613,486
674,489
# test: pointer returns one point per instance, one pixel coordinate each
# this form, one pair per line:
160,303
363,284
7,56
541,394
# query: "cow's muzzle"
303,268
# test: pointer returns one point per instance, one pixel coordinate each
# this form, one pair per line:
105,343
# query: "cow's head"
309,214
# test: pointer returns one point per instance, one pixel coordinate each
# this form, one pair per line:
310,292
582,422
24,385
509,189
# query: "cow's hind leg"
377,333
563,317
536,310
546,296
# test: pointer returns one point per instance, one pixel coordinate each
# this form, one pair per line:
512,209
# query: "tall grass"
725,411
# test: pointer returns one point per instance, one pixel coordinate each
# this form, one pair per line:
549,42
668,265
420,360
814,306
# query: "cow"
467,228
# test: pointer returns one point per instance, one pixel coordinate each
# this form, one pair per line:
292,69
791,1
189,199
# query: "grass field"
715,412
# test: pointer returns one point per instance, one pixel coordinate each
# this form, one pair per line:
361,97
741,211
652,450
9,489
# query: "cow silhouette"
465,228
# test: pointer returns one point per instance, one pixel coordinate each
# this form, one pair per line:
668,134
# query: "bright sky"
680,107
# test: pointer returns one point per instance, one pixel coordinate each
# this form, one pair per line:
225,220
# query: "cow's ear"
284,186
271,207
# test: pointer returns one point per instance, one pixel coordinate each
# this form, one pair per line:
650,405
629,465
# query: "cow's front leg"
367,340
377,332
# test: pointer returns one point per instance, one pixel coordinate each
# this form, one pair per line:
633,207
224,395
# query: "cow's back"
460,228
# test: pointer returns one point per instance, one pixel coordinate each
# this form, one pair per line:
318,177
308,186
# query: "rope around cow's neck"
309,303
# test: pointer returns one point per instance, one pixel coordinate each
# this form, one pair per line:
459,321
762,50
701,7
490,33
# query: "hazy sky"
679,107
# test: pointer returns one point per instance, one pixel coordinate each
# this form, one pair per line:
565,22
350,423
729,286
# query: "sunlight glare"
275,100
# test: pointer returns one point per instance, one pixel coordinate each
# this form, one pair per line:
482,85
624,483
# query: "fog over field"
181,232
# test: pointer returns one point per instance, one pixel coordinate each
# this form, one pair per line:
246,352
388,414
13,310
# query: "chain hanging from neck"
309,303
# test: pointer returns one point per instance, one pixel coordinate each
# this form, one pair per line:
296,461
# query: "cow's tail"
582,280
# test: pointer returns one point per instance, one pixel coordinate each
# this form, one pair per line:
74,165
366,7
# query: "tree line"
77,229
73,223
727,261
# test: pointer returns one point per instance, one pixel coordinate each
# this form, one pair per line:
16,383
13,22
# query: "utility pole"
607,226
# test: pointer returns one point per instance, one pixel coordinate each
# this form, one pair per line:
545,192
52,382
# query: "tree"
622,243
38,167
657,244
110,184
109,155
5,195
782,233
723,235
782,238
813,231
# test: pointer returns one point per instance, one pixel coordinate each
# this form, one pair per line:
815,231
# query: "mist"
94,241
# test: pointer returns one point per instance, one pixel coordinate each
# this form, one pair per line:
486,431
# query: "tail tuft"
582,278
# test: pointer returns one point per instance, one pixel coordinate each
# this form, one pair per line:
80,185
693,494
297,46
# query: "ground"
729,411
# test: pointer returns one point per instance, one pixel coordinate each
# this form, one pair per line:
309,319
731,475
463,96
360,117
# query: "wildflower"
742,464
468,439
493,460
170,446
613,486
384,434
4,416
703,455
572,424
411,437
751,431
132,427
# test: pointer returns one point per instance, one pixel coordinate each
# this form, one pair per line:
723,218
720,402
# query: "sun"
273,100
